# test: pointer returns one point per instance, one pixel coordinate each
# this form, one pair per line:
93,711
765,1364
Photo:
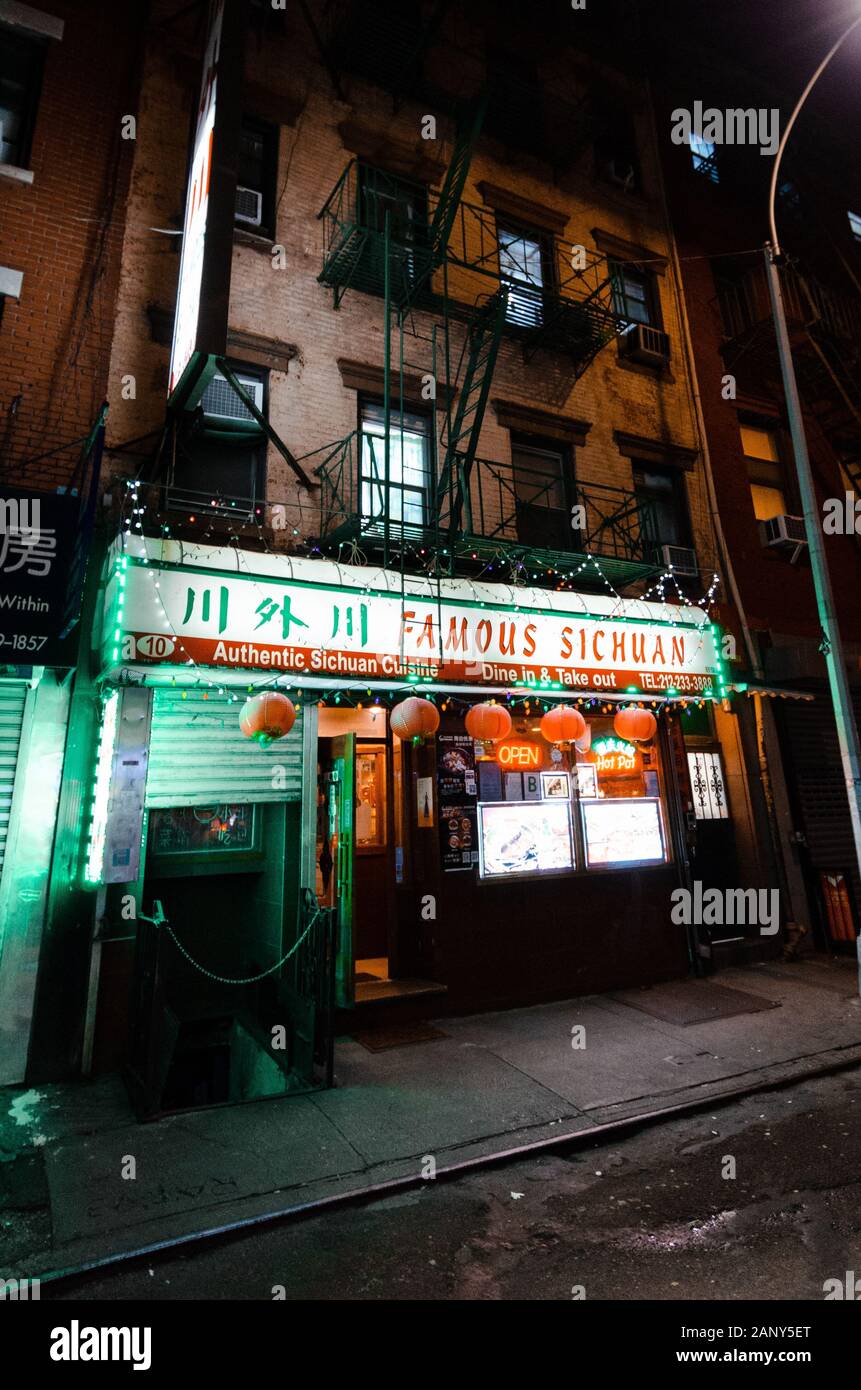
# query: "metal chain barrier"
226,979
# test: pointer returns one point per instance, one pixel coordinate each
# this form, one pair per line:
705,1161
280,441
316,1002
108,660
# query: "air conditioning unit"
249,206
682,559
643,343
621,173
220,402
784,533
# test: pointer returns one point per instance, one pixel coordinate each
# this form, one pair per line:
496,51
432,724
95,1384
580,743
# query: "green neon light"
101,790
604,746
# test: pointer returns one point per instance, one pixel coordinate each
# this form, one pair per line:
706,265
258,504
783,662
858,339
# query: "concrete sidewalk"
493,1083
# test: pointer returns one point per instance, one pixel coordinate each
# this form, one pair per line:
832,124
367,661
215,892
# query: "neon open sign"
519,755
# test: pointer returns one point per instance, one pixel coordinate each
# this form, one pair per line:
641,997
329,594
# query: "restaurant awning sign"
182,615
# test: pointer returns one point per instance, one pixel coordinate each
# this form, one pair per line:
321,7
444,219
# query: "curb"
559,1144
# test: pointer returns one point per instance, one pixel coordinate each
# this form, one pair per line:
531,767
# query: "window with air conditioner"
616,158
220,466
220,402
255,177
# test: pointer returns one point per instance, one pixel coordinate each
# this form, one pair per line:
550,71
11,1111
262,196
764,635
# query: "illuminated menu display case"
518,838
623,830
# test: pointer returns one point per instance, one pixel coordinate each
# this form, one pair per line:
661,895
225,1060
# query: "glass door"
340,793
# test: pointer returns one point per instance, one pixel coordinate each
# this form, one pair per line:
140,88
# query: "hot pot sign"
222,621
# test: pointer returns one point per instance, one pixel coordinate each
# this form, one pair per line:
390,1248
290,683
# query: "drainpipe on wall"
762,736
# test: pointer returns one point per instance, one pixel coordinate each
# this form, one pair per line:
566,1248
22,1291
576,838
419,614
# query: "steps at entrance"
746,951
392,1002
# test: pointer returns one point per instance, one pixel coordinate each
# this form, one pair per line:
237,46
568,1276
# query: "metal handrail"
574,273
618,523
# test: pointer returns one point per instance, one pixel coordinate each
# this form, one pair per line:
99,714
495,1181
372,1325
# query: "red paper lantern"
635,724
414,718
267,717
488,723
563,724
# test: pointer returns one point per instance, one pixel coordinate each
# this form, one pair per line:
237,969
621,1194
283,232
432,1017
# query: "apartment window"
634,295
220,466
524,270
543,492
407,498
855,224
380,193
22,60
403,200
762,456
616,148
704,156
256,177
665,515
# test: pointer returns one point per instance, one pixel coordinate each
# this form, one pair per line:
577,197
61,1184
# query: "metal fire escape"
435,261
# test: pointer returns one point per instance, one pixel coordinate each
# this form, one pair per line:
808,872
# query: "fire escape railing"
506,508
572,310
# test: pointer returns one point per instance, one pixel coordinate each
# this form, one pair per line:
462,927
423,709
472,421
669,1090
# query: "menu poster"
457,801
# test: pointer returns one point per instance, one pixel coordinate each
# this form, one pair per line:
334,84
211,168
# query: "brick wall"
64,232
309,405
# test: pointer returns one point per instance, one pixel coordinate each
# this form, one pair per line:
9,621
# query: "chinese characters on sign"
37,541
305,628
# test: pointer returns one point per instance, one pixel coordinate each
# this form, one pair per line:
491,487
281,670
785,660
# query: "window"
539,812
621,799
409,466
379,193
707,785
616,147
634,295
764,471
704,156
855,224
21,62
220,464
256,176
523,267
541,477
404,201
665,517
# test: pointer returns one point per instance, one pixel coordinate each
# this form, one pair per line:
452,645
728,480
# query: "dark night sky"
783,40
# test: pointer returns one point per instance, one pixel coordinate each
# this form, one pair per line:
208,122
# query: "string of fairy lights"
359,694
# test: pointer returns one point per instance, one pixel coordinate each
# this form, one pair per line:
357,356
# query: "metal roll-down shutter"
198,754
12,697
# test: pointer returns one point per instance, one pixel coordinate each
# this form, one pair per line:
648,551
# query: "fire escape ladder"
468,131
461,442
442,221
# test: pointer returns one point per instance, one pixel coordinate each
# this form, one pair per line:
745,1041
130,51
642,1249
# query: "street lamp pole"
832,647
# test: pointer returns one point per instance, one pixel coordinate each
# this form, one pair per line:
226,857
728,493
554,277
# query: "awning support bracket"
271,434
